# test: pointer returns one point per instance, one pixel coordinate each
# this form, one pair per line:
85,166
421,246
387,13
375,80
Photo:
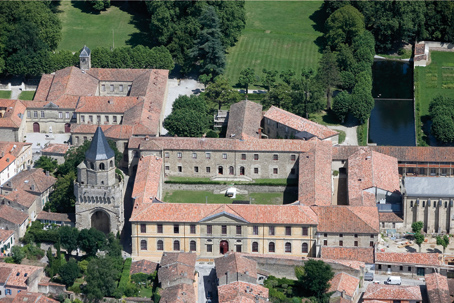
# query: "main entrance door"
101,221
223,247
36,128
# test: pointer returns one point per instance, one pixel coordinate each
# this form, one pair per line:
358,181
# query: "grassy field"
5,94
181,196
27,95
83,26
279,35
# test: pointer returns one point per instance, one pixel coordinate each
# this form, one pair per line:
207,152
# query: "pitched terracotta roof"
181,293
363,254
19,273
5,234
175,266
253,213
34,180
32,297
5,272
14,113
314,185
43,87
12,215
348,219
13,148
242,292
72,81
143,266
344,282
6,161
56,148
431,259
62,217
147,182
390,217
367,169
437,288
169,258
21,197
88,128
105,104
299,123
121,131
244,120
392,292
116,74
235,263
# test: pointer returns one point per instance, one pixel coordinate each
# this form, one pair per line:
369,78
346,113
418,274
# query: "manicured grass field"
181,196
83,26
27,95
279,35
5,94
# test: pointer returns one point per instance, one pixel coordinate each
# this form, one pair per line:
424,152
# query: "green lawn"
27,95
145,292
279,35
5,94
83,26
181,196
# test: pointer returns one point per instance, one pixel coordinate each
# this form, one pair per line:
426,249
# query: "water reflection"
392,79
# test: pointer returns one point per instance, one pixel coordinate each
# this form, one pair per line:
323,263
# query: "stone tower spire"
85,58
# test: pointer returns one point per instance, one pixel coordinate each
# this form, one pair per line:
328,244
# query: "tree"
113,246
341,105
205,79
247,77
307,94
443,241
441,110
101,278
287,76
220,93
343,25
91,240
270,78
328,73
208,48
315,279
417,226
69,272
62,199
46,163
100,5
419,239
18,254
68,238
280,96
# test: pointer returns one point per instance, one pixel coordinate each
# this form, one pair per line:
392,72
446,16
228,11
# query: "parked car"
393,280
369,276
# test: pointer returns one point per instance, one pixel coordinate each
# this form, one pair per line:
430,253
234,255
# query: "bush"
124,279
212,134
83,266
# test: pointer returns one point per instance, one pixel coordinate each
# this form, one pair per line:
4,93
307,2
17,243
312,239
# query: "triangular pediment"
51,105
223,216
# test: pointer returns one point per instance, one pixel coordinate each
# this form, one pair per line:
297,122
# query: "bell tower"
85,58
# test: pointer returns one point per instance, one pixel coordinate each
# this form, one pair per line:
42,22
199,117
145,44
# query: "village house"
60,219
12,120
409,264
242,292
16,278
244,120
344,286
14,157
7,241
392,294
29,297
437,288
55,151
234,267
13,219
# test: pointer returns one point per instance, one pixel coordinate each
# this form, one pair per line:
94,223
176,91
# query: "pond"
392,119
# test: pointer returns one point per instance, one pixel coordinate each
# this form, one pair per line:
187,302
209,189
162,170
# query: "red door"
36,127
224,247
67,128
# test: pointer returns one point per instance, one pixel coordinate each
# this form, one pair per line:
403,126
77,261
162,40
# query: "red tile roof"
105,104
21,197
299,123
181,293
4,274
431,259
34,180
5,234
235,263
392,292
62,217
244,120
252,213
20,273
147,182
314,185
437,288
43,87
367,169
13,148
31,297
14,113
363,254
143,266
175,266
6,161
348,219
390,217
55,148
87,128
242,292
12,215
72,81
344,282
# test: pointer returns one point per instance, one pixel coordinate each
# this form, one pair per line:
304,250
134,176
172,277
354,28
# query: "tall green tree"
441,111
100,5
287,76
269,80
307,94
220,93
443,241
186,123
328,74
343,25
208,49
315,279
280,96
101,279
91,240
46,163
341,105
18,254
247,77
69,272
68,238
62,199
419,237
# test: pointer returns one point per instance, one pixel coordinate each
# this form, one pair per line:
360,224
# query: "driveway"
350,134
207,281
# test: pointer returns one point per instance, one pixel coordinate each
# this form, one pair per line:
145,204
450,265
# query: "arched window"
111,163
143,245
255,247
305,248
92,166
101,166
271,247
192,246
176,245
242,170
231,170
288,247
160,245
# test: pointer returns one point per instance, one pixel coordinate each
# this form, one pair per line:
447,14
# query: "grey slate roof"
429,187
99,148
85,52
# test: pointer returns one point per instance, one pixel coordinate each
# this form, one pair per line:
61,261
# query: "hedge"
124,279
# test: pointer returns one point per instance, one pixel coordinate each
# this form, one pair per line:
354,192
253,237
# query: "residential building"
437,288
177,268
242,292
234,267
16,278
244,120
61,219
143,266
29,297
180,293
6,242
344,286
405,264
12,120
15,220
392,294
56,152
14,157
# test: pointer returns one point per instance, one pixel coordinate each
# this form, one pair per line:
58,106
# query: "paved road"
350,134
415,281
207,281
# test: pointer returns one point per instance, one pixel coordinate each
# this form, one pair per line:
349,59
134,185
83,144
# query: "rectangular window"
143,228
209,248
293,157
238,229
194,155
29,114
208,155
103,87
35,114
121,87
255,230
176,229
401,268
111,88
271,230
98,119
379,266
179,155
409,268
180,168
256,170
129,88
67,115
209,229
275,171
356,243
341,243
43,114
167,167
196,169
356,235
160,229
224,229
90,119
243,156
256,156
275,157
341,235
60,114
106,118
371,243
305,231
325,235
114,119
288,230
372,236
224,156
192,229
77,140
238,248
85,139
208,169
166,154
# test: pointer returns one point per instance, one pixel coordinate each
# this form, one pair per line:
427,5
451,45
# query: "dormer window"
121,87
103,87
111,88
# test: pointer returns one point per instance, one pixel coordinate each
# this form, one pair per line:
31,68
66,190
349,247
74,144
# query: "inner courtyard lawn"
5,94
27,95
279,35
83,26
182,196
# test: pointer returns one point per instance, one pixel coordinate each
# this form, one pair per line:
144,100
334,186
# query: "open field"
279,35
181,196
27,95
83,26
5,94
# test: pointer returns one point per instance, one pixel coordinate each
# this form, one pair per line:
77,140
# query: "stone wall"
216,188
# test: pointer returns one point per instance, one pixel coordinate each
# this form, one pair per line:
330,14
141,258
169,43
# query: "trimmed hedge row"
124,279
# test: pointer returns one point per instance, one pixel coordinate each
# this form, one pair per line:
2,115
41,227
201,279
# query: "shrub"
212,134
124,279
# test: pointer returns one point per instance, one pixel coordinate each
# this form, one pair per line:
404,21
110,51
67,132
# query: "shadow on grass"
319,17
140,20
85,7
